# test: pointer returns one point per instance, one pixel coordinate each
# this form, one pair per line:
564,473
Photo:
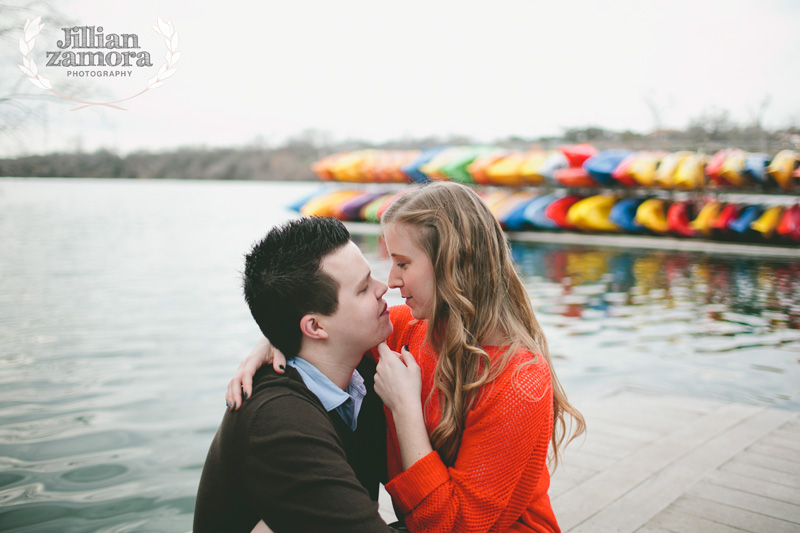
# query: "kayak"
351,208
511,214
652,215
789,226
602,165
432,168
741,224
477,169
322,168
623,214
508,170
705,218
679,219
644,166
536,212
530,170
727,215
755,167
558,209
574,177
732,171
554,161
781,168
767,223
456,165
325,205
666,169
689,173
412,168
577,154
622,173
714,166
591,214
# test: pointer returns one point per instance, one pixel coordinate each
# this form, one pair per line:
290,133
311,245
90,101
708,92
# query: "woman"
474,409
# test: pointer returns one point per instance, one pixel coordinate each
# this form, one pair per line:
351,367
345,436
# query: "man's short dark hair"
283,279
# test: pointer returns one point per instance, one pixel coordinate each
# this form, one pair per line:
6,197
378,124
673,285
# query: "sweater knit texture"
499,480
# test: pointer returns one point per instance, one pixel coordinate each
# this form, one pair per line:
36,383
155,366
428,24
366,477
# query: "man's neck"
337,369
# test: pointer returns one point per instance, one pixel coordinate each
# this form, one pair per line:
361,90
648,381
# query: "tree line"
292,160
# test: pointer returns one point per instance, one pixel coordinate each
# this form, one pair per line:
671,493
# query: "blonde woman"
473,402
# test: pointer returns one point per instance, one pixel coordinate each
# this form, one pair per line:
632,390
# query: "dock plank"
705,460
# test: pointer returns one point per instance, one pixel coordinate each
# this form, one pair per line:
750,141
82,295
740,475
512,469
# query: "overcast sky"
263,71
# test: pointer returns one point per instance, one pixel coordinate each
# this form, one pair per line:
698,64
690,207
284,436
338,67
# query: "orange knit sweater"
499,481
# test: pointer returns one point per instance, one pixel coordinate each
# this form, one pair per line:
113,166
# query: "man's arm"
296,474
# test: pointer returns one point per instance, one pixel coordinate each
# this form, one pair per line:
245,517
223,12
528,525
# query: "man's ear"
311,327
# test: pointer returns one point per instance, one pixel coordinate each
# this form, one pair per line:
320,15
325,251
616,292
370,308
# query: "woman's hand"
398,382
240,386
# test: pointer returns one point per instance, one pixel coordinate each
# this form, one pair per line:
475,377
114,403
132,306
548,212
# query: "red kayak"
577,154
557,211
725,217
574,177
789,226
679,219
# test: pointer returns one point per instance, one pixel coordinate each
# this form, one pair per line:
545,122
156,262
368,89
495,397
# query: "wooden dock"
658,462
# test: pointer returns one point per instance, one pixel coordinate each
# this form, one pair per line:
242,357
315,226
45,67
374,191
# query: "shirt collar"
323,388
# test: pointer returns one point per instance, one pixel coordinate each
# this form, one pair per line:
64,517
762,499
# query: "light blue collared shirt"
347,404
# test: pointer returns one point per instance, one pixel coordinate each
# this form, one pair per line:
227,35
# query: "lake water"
121,320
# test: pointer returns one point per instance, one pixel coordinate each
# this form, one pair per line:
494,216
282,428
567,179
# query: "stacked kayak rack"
731,195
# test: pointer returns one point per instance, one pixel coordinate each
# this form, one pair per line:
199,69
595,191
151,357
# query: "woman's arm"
500,468
242,381
398,382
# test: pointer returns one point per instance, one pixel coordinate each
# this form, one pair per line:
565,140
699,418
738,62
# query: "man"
297,455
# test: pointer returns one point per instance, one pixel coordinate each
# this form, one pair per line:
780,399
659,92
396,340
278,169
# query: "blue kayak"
623,214
748,215
755,166
412,168
535,212
602,165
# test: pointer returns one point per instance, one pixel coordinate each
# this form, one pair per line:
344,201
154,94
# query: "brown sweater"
283,459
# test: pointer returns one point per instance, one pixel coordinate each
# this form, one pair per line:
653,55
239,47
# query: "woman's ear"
311,327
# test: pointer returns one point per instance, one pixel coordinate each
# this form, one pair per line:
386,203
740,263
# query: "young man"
300,454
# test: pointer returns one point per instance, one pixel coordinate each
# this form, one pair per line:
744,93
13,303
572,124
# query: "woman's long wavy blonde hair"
478,297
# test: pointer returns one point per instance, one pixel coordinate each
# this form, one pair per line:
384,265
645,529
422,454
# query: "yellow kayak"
669,164
652,214
689,173
507,170
708,213
325,205
529,170
349,166
733,167
591,214
643,167
768,221
781,168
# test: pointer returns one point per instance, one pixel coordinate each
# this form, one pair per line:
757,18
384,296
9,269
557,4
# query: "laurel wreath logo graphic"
31,70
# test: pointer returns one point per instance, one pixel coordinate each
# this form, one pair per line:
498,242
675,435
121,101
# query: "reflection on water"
121,320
